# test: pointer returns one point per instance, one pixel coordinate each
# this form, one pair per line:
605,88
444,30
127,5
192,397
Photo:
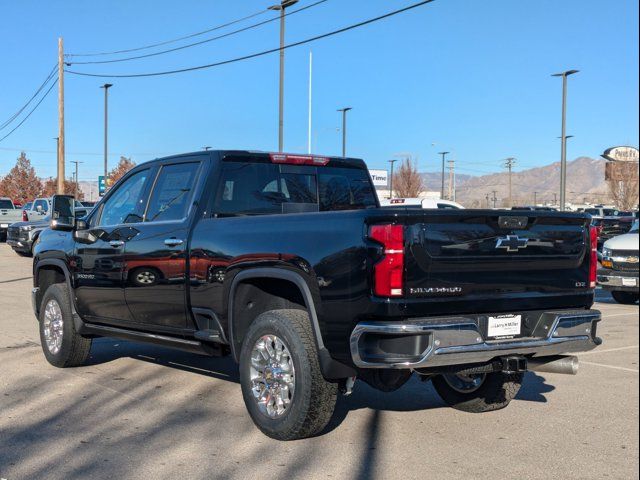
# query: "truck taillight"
593,264
388,273
289,159
25,218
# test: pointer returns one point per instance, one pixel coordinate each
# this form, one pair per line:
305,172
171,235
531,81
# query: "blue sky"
466,76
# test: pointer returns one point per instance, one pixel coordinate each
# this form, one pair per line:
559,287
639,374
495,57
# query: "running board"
193,346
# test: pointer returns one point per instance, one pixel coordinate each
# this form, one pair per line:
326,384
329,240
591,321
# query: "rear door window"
172,192
264,188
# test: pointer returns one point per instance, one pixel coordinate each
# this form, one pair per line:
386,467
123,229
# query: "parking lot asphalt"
140,411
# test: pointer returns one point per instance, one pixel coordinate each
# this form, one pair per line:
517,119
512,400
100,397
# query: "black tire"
314,398
625,298
495,393
74,349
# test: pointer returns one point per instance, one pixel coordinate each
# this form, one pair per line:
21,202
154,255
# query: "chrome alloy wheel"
272,376
146,277
465,383
53,326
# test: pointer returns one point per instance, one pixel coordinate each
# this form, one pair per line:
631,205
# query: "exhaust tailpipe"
565,364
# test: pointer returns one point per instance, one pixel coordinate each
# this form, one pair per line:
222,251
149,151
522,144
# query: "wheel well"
258,295
47,276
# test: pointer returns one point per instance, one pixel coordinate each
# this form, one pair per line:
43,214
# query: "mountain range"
585,183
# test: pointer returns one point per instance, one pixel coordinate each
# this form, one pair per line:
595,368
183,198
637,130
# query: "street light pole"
76,175
281,7
344,129
442,186
563,147
106,87
391,182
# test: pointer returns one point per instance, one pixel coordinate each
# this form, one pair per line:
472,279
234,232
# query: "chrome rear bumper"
459,340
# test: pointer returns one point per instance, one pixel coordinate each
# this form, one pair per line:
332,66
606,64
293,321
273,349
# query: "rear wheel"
479,392
626,298
61,344
282,385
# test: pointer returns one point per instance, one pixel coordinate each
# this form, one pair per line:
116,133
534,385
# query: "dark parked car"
287,263
609,227
21,236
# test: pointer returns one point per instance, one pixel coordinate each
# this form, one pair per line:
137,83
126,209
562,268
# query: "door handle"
116,243
173,242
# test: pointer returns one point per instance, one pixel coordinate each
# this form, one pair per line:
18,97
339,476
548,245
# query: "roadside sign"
102,186
621,154
380,178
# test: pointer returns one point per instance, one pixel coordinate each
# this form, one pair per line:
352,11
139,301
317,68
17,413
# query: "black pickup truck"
287,263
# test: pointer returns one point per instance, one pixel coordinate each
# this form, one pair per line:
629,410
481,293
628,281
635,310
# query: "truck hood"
628,241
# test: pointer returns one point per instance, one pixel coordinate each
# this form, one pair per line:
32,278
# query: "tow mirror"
62,212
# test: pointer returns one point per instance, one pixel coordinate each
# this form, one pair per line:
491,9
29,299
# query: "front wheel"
61,344
282,385
479,392
625,298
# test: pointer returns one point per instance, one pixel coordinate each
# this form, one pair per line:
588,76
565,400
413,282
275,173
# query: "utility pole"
281,7
442,183
451,164
555,199
535,198
509,163
310,101
487,199
60,155
563,147
344,129
76,175
106,87
495,199
391,182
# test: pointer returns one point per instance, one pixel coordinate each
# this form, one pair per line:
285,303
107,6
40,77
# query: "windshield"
6,204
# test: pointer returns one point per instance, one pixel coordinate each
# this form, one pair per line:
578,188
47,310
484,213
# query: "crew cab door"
98,262
155,264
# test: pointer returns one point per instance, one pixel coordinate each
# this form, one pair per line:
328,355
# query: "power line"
166,42
201,42
15,115
259,54
32,110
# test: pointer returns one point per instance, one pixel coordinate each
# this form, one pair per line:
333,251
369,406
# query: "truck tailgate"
488,253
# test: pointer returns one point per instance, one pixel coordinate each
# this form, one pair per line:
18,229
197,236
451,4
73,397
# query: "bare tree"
622,179
407,182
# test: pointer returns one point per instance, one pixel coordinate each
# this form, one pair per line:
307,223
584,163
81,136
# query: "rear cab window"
253,186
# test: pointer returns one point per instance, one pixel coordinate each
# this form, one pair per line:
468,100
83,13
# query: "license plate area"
505,326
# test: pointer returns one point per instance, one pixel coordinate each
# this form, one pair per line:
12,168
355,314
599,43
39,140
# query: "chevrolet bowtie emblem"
512,243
